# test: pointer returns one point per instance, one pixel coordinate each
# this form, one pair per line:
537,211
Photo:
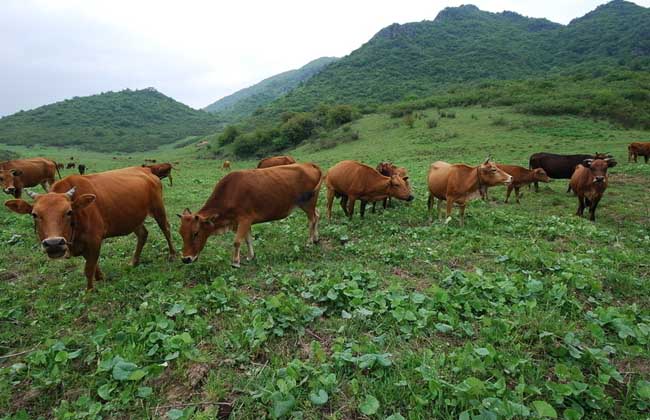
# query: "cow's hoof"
235,265
447,220
172,257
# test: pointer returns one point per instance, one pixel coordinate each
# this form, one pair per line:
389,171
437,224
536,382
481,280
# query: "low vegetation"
527,312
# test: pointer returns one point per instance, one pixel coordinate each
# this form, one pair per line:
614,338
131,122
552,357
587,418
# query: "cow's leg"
142,234
170,180
344,204
510,187
439,209
592,208
517,195
646,157
429,206
388,202
18,192
461,210
450,207
249,244
581,205
91,268
351,200
158,213
536,186
243,230
312,216
330,200
362,208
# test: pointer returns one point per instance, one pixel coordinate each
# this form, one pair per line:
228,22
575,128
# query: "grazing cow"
352,180
559,166
70,165
461,183
161,170
18,174
245,198
589,182
388,169
275,161
71,157
82,168
521,177
637,149
60,166
226,165
81,211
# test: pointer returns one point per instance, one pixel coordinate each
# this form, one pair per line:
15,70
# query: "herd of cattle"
78,212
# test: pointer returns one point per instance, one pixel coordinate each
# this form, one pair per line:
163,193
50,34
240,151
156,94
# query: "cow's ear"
186,212
16,172
211,219
611,162
19,206
83,201
406,178
587,163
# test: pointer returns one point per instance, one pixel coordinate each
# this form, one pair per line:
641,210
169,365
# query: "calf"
81,211
244,198
275,161
589,181
353,181
634,150
461,183
15,175
521,177
226,165
161,170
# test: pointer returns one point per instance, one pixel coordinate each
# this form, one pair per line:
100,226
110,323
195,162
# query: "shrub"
340,114
409,120
298,128
229,135
432,123
500,121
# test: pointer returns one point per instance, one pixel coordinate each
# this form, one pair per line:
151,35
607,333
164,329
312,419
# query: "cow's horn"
70,192
487,160
31,194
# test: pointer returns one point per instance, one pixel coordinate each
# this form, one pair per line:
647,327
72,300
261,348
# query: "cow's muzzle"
10,190
509,180
410,198
599,179
55,247
187,260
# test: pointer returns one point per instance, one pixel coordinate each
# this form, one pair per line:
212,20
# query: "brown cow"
275,161
352,180
461,183
244,198
521,177
18,174
60,166
637,149
388,169
226,165
81,211
589,182
70,165
161,170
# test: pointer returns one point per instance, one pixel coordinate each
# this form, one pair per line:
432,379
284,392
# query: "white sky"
197,51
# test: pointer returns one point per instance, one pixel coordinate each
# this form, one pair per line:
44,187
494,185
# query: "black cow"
82,168
560,166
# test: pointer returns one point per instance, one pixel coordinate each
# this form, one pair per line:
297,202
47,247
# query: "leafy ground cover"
527,312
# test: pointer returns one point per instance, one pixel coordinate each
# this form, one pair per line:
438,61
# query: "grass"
528,311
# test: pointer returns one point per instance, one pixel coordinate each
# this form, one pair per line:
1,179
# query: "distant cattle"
70,165
226,165
150,160
81,168
275,161
460,183
589,181
244,198
81,211
559,166
388,169
521,177
634,150
161,170
351,180
60,166
71,157
15,175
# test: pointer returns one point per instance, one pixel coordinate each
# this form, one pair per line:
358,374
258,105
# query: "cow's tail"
56,166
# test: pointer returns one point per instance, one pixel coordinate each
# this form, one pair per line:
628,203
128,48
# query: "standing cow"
226,165
15,175
521,177
275,161
161,170
81,211
352,180
388,169
634,150
559,166
244,198
589,182
460,183
82,169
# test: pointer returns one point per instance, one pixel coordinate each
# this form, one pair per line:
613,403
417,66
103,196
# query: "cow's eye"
34,215
68,213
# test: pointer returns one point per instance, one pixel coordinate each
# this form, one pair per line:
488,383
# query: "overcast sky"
197,51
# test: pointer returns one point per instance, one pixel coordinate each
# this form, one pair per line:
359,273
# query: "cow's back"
275,161
350,177
265,194
34,170
123,196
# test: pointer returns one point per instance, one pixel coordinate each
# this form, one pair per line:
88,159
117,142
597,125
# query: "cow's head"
398,187
195,230
54,218
598,168
490,175
539,175
10,180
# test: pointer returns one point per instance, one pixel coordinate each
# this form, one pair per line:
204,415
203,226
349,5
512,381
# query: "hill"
246,101
126,121
466,44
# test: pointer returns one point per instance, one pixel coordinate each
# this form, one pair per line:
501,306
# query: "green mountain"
126,121
466,44
245,102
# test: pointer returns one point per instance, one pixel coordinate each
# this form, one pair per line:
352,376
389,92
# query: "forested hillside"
466,44
246,101
124,121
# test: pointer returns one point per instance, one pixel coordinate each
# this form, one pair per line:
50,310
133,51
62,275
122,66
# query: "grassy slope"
498,309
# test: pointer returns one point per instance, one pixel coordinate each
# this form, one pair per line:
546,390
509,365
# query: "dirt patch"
196,373
8,275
